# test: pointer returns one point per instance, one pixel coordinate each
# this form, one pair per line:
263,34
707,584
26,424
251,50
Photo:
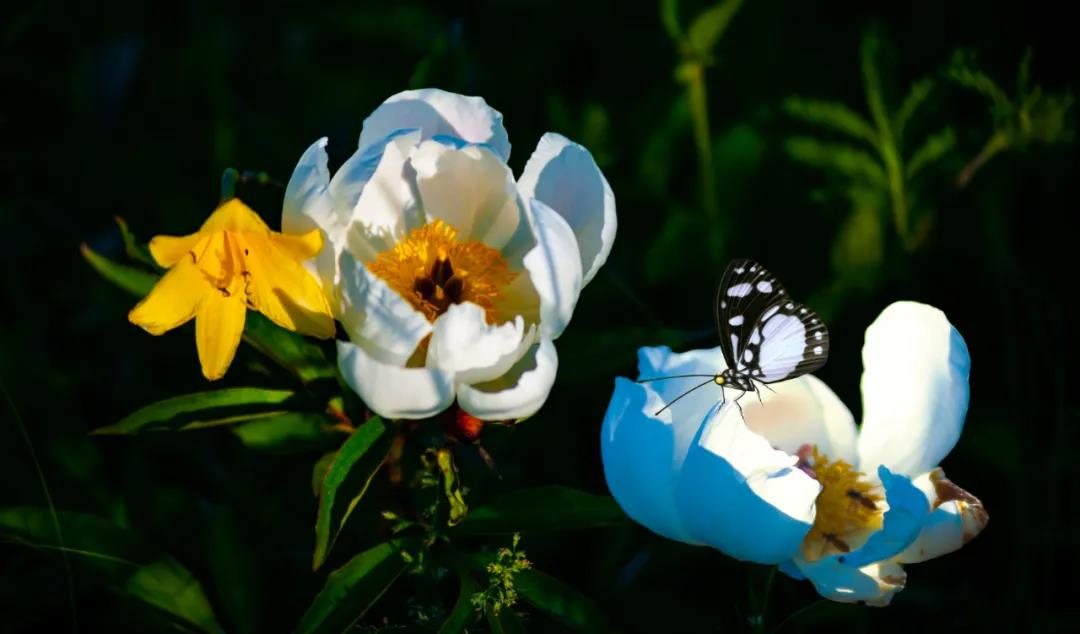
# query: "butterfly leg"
740,406
758,392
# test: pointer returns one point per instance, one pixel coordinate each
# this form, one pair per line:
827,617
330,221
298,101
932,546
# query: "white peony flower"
797,484
451,279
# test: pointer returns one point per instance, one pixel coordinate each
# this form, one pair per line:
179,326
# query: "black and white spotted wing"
764,335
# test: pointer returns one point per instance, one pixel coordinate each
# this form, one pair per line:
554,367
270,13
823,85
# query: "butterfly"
765,336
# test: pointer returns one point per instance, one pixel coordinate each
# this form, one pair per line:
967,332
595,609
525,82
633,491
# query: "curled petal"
438,113
554,267
739,495
470,189
517,394
957,518
386,206
563,175
875,584
308,205
376,316
462,342
393,391
908,511
915,389
643,455
168,250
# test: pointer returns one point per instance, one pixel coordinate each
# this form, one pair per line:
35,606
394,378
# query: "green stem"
229,178
996,144
699,115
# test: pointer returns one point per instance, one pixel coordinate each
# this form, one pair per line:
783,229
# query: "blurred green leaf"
963,71
916,97
858,250
237,576
135,250
667,257
290,432
560,601
352,589
204,409
709,26
931,151
118,557
833,115
463,613
669,15
452,487
546,508
132,280
347,479
848,160
505,622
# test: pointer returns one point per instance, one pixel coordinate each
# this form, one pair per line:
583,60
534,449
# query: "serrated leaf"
204,409
352,589
707,29
117,558
833,115
848,160
132,280
290,432
346,481
560,601
935,147
546,508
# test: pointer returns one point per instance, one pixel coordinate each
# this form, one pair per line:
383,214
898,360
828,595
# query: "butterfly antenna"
677,398
675,376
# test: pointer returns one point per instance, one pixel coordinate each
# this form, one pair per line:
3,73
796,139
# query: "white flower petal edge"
438,113
374,314
470,189
463,343
308,205
875,584
734,489
394,391
957,518
915,389
803,411
554,266
517,394
563,175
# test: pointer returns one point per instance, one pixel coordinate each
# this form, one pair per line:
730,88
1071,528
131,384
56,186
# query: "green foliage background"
779,131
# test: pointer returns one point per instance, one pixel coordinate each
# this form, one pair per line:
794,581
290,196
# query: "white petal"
376,317
471,189
386,205
643,455
392,391
739,495
564,176
908,511
661,362
437,112
308,205
517,394
803,411
554,268
352,177
463,343
957,518
874,584
915,389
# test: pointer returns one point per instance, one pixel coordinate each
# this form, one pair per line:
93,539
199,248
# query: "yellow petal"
173,300
279,287
300,247
234,215
167,250
218,328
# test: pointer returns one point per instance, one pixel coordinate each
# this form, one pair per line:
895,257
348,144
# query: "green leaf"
707,29
346,481
204,409
352,589
875,98
463,614
505,622
848,160
119,558
133,280
291,432
669,15
916,97
318,471
833,115
452,487
935,147
546,508
560,601
964,72
135,250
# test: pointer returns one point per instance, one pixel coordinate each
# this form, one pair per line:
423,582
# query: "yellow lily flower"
234,262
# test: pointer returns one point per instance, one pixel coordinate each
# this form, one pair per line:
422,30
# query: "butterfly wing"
746,291
788,340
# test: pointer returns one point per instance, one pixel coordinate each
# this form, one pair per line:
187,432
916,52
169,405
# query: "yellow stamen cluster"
432,269
846,504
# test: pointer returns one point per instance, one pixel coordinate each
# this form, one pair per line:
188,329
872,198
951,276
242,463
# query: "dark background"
134,109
